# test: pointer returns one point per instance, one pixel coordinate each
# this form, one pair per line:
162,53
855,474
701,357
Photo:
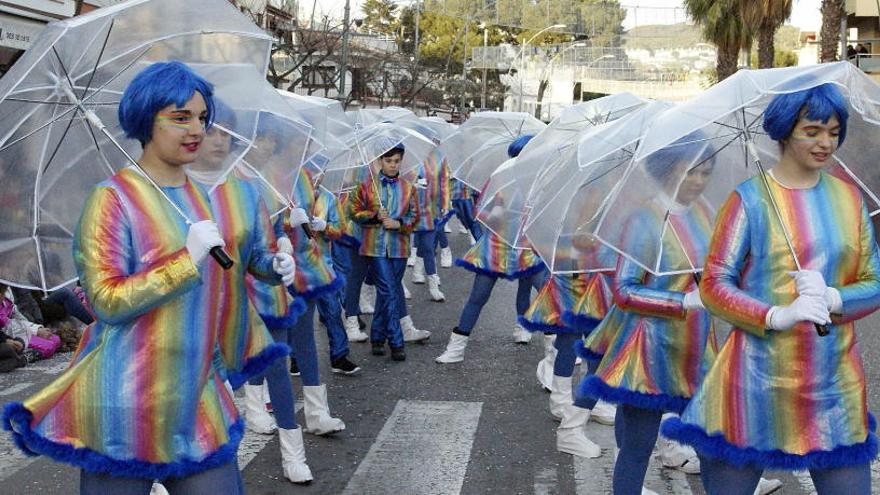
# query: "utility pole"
485,51
344,58
467,27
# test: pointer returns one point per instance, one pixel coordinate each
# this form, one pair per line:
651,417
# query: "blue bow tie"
388,180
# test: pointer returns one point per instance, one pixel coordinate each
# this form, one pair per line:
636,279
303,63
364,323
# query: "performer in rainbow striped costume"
490,259
144,397
433,190
664,341
780,396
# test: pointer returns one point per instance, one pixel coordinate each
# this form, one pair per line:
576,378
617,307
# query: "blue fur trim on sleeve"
580,322
585,352
337,283
256,365
537,326
593,386
17,419
717,446
512,276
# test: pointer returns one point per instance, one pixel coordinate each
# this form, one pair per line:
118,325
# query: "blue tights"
301,338
425,241
722,478
280,388
635,430
482,289
220,479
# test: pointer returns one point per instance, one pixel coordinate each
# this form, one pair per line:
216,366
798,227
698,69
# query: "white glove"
692,300
318,224
422,183
804,308
284,265
812,283
298,216
201,238
284,246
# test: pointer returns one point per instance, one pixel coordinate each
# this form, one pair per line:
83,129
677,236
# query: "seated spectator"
30,334
62,303
11,353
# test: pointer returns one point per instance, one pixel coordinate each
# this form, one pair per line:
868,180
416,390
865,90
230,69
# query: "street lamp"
521,57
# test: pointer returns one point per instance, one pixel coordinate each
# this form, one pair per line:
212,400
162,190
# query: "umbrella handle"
308,230
822,330
221,257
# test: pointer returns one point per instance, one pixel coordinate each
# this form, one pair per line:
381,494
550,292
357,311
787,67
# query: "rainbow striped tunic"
143,396
434,199
398,197
559,294
493,257
314,272
659,352
786,399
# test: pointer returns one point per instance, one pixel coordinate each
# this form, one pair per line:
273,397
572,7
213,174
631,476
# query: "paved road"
416,427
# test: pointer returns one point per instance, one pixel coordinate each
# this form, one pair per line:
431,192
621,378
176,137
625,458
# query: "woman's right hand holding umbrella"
201,239
804,308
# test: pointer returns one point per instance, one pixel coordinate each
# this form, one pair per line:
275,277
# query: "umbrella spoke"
98,60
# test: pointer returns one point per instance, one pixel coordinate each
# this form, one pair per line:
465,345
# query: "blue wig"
156,87
693,148
816,103
518,144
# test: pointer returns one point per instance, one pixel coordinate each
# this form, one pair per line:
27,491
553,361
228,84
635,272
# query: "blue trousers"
74,307
635,430
564,365
464,210
425,241
277,378
330,309
482,289
721,478
222,479
358,266
440,238
389,298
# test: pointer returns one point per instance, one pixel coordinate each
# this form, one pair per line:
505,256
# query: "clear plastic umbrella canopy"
330,122
59,133
360,161
504,203
718,136
366,117
570,198
480,144
268,141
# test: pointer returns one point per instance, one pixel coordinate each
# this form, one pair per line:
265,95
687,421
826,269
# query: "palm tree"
768,15
724,26
833,14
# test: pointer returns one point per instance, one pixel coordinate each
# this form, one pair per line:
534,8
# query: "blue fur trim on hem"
593,386
336,284
585,352
580,322
513,276
256,365
536,326
718,447
33,444
294,310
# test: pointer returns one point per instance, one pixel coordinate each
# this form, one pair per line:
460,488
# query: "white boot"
410,332
411,261
434,288
418,272
462,229
367,300
766,487
521,335
158,489
317,413
560,396
447,228
406,293
293,456
471,239
646,491
454,352
603,413
545,366
257,418
353,330
570,437
445,257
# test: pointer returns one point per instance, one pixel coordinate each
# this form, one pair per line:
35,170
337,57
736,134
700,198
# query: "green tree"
724,26
380,15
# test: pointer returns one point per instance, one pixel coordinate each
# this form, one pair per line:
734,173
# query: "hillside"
660,36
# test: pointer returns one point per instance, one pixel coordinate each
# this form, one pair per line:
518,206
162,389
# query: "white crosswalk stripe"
423,448
546,481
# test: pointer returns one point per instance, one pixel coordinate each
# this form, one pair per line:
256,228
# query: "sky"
805,14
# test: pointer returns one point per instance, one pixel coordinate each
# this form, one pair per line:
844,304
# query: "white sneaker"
257,419
353,330
293,456
604,413
406,293
434,288
410,332
766,487
454,352
445,257
418,271
367,300
521,335
677,456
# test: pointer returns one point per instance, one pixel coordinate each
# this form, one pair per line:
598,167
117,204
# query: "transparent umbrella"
366,117
59,134
504,202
